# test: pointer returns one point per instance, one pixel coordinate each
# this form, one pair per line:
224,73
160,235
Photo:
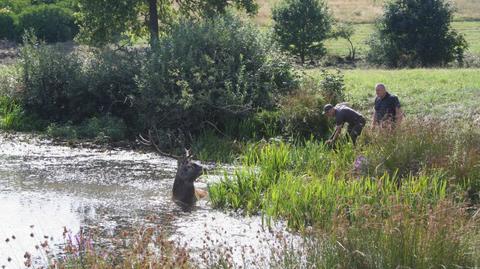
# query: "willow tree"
109,21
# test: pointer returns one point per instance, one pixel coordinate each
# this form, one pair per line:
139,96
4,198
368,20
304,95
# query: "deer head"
187,172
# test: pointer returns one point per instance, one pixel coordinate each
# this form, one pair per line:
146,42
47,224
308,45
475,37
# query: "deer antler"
151,142
188,154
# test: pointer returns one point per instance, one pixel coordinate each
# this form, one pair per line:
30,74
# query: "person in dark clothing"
388,111
344,114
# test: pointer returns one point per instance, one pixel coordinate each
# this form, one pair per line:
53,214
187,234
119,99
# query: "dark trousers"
355,130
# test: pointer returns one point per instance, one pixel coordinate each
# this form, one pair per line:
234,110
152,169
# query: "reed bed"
402,197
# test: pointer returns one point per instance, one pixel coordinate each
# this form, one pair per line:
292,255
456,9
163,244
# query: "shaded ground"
8,52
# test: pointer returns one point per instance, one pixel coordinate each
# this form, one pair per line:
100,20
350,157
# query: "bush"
111,82
7,26
103,128
416,33
214,71
54,85
301,26
60,87
301,114
49,22
332,86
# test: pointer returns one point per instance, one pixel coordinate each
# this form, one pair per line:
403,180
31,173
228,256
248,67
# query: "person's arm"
398,111
398,115
374,119
336,133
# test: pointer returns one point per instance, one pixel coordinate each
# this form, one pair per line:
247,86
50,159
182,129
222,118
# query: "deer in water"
184,192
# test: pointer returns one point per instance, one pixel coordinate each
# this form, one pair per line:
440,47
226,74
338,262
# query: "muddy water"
45,187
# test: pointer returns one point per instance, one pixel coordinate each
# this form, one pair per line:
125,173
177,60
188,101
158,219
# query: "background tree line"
205,69
410,32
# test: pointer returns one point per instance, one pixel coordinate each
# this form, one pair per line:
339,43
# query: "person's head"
329,110
381,90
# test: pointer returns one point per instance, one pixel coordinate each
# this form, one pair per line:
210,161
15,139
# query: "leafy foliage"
14,6
53,81
102,22
416,33
111,21
214,71
332,86
346,31
59,86
103,129
301,26
7,26
301,114
49,22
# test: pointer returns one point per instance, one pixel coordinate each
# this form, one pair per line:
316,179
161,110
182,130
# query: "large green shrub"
214,71
416,33
49,22
7,26
111,83
59,86
301,115
301,26
54,86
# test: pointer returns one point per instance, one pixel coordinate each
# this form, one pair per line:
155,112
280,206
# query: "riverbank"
110,200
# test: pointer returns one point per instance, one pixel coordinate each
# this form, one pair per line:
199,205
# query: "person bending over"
344,114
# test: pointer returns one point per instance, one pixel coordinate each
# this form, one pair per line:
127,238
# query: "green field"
432,92
471,30
366,11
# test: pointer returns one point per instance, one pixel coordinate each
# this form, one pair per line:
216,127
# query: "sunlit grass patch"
363,31
445,93
362,11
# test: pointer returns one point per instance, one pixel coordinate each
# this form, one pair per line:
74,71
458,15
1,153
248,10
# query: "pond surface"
45,188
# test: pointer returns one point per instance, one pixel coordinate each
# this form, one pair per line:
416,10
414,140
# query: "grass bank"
444,93
404,199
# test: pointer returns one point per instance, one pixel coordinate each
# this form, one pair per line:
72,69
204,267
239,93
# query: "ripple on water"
49,187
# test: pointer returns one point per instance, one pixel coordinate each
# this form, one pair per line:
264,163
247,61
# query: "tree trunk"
352,50
153,22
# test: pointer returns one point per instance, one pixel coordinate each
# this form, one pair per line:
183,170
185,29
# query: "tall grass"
443,237
398,199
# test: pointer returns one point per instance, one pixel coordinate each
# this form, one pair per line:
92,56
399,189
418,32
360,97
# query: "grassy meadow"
366,11
442,93
470,29
363,13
